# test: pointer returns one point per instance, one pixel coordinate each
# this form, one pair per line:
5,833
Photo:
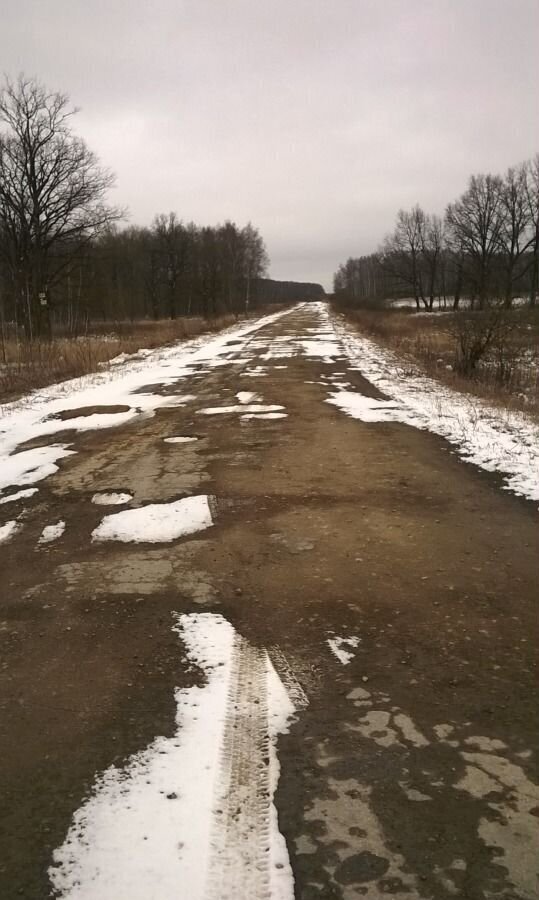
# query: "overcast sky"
314,119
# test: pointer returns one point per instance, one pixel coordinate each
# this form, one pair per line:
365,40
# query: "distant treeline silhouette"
485,249
64,260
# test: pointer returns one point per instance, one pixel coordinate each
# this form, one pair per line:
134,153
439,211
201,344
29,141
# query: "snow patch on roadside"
29,466
179,440
156,522
153,829
18,495
366,408
495,439
122,383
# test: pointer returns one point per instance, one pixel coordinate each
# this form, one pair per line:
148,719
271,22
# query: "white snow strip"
179,440
52,532
19,495
29,466
156,522
336,646
326,350
8,530
119,384
365,408
111,498
220,410
153,829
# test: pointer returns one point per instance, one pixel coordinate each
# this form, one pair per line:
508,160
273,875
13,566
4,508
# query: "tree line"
484,249
65,260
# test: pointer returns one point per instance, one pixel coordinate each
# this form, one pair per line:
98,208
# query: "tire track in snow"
240,860
192,817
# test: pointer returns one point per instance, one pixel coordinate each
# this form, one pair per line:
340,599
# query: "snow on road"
156,522
241,408
495,439
52,532
9,529
42,413
192,816
111,498
18,495
337,645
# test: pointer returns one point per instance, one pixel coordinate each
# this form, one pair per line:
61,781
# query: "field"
27,365
507,375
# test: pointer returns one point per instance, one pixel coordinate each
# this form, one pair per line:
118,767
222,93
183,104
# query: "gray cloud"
316,120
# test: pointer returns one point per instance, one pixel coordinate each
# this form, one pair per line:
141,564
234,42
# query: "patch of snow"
248,397
52,532
179,440
336,645
218,410
111,498
19,495
495,439
327,351
29,466
153,829
8,530
122,383
156,522
366,408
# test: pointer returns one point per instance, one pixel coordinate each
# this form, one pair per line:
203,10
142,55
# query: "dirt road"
357,609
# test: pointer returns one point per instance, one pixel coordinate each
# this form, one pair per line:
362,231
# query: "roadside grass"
27,365
428,341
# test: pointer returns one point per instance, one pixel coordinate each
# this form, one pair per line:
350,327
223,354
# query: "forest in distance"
484,250
65,260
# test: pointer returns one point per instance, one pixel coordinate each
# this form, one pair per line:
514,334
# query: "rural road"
326,689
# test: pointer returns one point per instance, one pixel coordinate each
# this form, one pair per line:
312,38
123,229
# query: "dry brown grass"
25,366
429,341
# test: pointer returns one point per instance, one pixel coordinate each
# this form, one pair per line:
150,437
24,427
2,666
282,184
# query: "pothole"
66,414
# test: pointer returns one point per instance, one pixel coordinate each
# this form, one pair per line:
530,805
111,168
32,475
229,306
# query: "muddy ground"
412,771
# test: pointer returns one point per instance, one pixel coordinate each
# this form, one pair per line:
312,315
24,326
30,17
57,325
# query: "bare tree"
476,221
432,243
255,259
401,251
52,192
172,240
532,196
515,237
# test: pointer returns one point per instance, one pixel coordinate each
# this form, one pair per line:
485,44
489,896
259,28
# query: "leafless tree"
255,260
532,196
52,193
401,251
476,221
432,246
172,241
516,236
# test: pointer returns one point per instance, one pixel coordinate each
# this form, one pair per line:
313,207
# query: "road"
347,642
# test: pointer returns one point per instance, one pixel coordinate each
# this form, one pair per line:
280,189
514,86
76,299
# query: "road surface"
320,684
